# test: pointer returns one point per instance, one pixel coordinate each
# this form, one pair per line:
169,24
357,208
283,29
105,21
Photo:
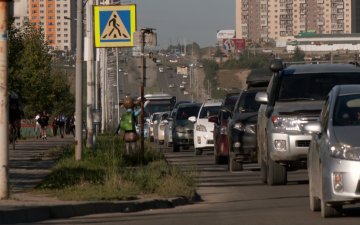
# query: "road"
229,198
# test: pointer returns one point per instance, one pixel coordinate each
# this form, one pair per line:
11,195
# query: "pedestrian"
55,126
37,126
61,124
44,122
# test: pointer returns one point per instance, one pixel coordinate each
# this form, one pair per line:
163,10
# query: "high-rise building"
261,20
55,17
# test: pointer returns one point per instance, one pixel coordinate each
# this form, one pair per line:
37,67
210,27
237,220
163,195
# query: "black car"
182,128
242,130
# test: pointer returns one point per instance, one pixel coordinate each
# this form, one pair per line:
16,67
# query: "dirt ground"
233,79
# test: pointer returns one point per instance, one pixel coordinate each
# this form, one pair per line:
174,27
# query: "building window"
66,35
58,41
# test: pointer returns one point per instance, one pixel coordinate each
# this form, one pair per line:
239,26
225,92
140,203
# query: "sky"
180,21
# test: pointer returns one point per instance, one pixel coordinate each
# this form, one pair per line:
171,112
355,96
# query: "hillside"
232,79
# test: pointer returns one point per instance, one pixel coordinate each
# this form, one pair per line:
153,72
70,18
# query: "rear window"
312,86
186,112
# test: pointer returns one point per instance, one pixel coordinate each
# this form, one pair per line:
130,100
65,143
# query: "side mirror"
261,97
192,119
312,128
213,119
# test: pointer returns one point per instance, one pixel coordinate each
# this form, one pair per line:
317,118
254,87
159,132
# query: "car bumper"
183,139
203,139
348,190
294,147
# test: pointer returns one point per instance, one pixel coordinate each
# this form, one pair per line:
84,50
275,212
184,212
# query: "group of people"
66,125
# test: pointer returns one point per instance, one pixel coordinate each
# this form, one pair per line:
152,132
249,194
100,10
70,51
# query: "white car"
203,129
181,86
171,85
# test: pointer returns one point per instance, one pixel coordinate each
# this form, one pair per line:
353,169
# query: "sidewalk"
29,163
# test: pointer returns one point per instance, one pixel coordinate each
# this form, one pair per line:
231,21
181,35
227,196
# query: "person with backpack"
128,122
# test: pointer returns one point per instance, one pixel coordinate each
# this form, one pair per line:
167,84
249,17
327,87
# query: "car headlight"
286,123
200,128
247,128
346,152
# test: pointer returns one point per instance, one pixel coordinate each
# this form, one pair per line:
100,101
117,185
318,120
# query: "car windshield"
312,86
347,111
230,102
207,111
157,106
186,112
247,102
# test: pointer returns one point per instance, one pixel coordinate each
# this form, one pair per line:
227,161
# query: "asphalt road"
229,198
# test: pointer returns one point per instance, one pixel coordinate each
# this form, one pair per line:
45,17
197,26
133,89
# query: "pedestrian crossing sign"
114,25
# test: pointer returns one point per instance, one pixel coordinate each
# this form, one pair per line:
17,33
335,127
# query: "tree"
299,55
31,75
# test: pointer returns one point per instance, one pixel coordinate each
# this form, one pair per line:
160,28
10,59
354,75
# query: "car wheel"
216,158
223,160
263,171
234,165
330,210
198,151
276,174
315,204
161,142
176,148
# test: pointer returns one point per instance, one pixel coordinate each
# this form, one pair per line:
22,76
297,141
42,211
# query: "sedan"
334,152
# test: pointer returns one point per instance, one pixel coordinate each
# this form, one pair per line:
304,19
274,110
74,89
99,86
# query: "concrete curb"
27,214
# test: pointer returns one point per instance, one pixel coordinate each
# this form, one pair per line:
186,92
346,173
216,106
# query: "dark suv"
242,130
182,128
294,97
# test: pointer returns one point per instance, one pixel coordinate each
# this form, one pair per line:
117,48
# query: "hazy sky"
190,20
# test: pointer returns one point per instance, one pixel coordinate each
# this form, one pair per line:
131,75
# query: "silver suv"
294,97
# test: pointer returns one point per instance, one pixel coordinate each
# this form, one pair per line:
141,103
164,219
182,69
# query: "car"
185,76
294,97
171,85
161,69
183,128
221,150
181,86
169,122
334,153
242,130
203,128
151,121
183,82
160,127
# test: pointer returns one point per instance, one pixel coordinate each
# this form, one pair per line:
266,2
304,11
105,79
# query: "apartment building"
57,18
262,20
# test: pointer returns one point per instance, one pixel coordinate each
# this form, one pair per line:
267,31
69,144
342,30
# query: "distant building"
262,20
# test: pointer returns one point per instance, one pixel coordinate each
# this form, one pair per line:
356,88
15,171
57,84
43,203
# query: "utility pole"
78,80
4,120
117,85
143,33
90,74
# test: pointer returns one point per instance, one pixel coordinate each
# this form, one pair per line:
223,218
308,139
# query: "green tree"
31,75
299,55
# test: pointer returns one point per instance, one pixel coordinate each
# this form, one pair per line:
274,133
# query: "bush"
109,174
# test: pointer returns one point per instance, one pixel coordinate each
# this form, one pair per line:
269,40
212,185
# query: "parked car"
294,97
334,153
159,128
203,128
242,130
221,150
183,128
169,122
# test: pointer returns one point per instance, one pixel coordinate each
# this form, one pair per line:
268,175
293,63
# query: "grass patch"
109,174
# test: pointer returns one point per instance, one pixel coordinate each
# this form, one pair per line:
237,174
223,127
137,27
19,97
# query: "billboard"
225,34
234,44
